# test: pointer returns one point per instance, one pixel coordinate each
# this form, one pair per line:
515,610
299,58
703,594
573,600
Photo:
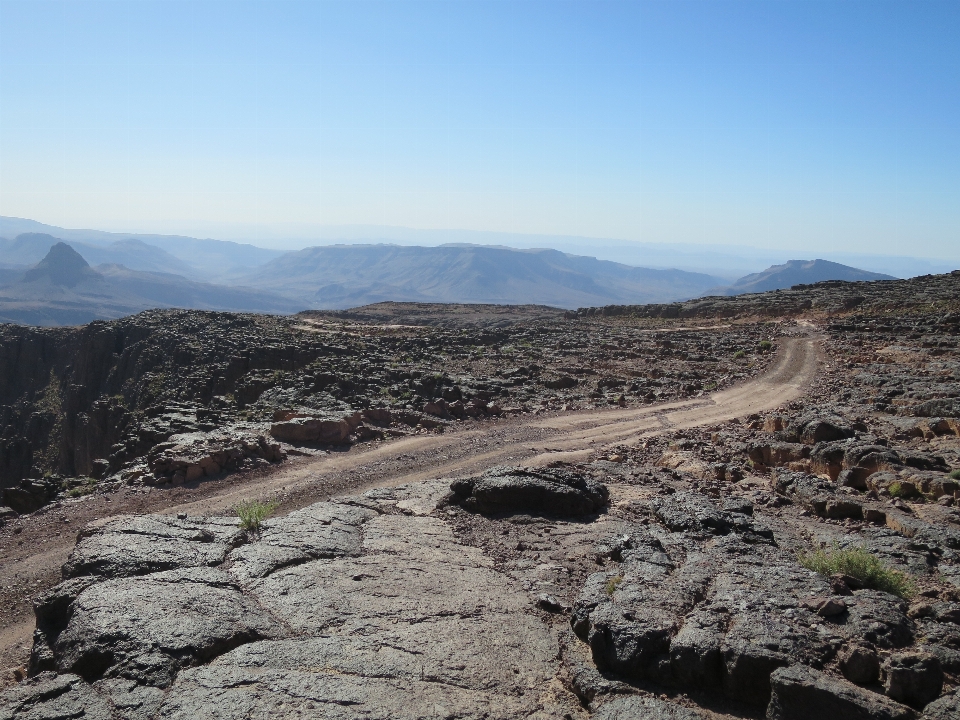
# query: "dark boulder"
825,429
801,693
913,678
859,664
546,491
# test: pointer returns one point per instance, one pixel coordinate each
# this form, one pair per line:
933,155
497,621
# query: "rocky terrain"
171,396
781,544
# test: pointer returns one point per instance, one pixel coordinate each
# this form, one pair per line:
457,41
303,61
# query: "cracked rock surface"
361,608
667,602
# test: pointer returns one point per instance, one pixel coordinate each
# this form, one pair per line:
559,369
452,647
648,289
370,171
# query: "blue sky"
802,125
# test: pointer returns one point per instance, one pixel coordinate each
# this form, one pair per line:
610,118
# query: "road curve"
570,436
474,448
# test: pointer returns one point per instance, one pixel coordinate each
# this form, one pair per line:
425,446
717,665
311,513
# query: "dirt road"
30,560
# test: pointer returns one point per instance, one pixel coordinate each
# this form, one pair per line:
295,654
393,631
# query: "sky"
776,124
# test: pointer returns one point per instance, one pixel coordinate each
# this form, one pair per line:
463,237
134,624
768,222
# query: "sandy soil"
33,549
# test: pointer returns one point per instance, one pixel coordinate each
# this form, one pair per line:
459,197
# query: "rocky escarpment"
168,397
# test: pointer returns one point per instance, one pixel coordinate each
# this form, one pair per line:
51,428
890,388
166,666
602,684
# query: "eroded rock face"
547,491
946,708
800,693
314,428
715,605
913,678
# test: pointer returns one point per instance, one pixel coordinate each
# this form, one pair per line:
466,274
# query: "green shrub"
88,486
253,512
858,563
739,354
613,583
765,346
955,474
896,489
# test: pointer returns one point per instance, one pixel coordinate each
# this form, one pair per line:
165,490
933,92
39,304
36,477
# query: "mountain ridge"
341,276
62,289
797,272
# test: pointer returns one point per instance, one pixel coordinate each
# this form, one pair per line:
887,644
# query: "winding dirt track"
41,548
537,441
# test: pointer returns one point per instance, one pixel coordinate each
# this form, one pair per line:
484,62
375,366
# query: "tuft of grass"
765,346
955,474
88,486
897,489
613,583
253,512
858,563
739,354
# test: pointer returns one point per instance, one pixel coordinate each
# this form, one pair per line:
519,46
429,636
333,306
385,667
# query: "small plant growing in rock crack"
88,486
613,583
765,346
253,512
897,489
955,474
858,563
739,354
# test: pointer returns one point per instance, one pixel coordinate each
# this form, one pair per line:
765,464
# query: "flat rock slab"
367,608
326,530
141,544
146,628
52,697
221,693
413,571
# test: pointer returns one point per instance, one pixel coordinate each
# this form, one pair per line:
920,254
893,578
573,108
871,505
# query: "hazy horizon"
724,261
805,128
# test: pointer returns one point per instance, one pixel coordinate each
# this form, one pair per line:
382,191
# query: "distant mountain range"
29,248
798,272
343,276
62,289
45,281
199,259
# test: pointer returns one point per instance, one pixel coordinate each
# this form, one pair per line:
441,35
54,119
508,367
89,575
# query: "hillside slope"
799,272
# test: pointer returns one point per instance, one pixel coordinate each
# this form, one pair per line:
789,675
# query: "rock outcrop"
524,490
